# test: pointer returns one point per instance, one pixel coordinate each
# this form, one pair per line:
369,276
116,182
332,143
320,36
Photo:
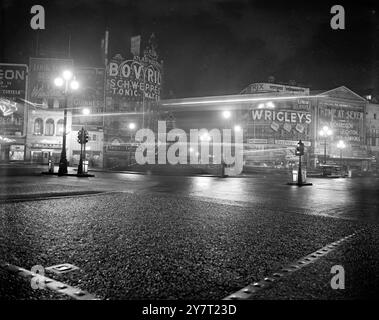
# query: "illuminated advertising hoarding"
273,87
90,96
133,80
281,121
42,72
347,124
13,78
346,121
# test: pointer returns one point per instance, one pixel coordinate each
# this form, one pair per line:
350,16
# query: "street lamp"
131,126
325,132
341,145
226,114
205,137
86,111
69,83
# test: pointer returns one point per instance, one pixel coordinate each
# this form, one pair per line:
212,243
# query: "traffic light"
299,149
86,136
80,137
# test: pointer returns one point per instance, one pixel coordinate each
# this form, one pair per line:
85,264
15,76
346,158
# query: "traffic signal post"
83,138
299,152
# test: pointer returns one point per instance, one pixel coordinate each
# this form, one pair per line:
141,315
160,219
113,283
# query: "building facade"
372,132
45,135
275,117
132,95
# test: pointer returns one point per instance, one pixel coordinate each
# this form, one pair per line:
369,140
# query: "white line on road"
248,292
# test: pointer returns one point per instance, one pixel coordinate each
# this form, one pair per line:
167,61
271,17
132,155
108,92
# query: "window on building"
60,127
373,141
38,127
49,127
374,115
94,137
50,103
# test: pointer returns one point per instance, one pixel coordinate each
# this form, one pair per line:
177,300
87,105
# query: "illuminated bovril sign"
134,78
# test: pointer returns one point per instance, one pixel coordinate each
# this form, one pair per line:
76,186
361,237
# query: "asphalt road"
165,237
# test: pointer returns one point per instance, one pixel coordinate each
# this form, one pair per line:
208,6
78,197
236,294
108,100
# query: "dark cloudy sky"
210,46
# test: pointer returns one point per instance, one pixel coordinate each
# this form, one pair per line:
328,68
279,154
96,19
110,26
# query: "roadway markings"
49,283
247,292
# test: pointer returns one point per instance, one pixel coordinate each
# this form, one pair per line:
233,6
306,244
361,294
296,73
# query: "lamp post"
325,132
131,126
227,115
68,82
341,145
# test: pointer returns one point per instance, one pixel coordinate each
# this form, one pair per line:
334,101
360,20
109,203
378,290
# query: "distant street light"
341,145
325,132
205,137
237,128
226,114
131,126
65,81
86,111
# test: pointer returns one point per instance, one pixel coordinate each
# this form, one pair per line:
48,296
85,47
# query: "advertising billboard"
42,72
346,121
133,80
90,96
272,87
347,124
281,121
13,79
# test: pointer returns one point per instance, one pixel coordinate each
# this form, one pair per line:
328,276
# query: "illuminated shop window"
49,128
60,127
38,127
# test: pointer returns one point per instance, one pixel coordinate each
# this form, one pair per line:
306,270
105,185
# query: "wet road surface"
173,237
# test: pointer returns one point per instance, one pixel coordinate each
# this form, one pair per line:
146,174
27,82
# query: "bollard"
51,166
85,166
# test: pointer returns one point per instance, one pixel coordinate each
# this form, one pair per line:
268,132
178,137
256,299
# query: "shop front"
42,152
12,149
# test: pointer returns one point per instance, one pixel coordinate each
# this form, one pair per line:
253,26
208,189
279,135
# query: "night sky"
209,47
